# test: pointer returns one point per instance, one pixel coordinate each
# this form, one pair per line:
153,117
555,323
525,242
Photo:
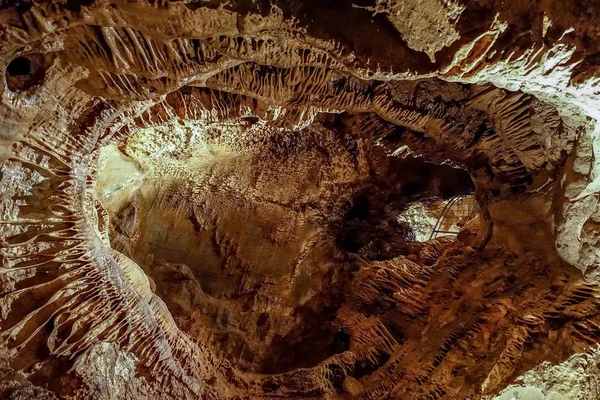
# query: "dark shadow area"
25,72
370,224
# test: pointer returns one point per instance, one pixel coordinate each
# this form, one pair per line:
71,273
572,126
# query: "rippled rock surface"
299,199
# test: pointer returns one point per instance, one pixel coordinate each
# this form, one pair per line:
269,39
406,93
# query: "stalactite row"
61,291
463,304
119,50
440,138
125,63
399,281
210,106
465,133
268,50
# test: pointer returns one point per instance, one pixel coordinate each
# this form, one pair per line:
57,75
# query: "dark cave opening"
371,227
25,72
19,66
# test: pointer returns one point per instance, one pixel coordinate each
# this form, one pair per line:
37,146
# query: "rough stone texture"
216,200
575,378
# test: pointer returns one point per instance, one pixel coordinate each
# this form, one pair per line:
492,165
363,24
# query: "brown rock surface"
299,199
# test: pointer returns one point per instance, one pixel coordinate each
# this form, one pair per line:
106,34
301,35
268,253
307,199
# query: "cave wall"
507,92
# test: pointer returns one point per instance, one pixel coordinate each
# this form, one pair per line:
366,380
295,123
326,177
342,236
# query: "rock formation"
291,199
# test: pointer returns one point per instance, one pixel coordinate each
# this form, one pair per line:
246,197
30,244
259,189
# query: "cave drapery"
285,199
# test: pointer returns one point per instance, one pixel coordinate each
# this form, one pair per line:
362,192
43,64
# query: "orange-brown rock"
299,199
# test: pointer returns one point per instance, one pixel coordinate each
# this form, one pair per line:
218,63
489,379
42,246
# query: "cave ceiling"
284,199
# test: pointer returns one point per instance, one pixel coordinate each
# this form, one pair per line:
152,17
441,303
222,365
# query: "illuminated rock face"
371,200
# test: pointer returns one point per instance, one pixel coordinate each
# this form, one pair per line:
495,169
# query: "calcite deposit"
286,199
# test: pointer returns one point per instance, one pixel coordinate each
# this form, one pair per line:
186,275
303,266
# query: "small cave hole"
20,66
23,6
75,5
25,72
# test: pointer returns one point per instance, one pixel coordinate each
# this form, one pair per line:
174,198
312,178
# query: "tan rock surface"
299,199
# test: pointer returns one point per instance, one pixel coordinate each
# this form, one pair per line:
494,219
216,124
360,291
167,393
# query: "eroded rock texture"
299,199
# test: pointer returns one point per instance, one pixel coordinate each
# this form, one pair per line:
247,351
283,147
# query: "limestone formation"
285,199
